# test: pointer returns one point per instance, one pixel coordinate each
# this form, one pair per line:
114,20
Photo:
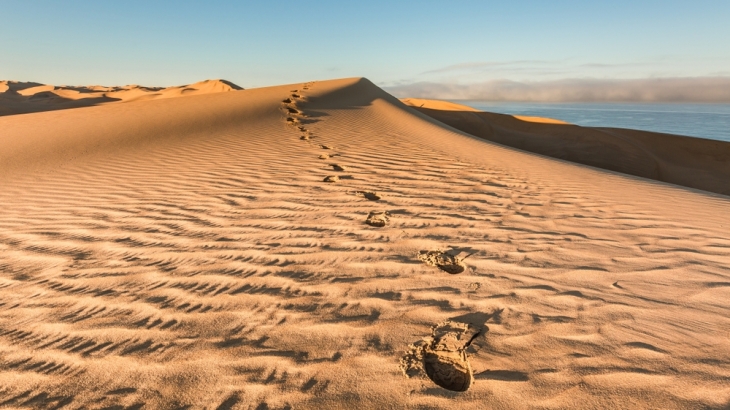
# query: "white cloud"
677,89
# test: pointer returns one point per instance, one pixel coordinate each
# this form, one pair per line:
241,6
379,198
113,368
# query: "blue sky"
392,43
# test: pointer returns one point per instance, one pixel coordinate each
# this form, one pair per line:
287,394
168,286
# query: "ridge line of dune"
28,97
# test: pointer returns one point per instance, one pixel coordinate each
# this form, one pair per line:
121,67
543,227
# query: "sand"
27,97
691,162
188,253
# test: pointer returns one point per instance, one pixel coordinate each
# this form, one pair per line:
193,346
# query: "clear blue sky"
260,43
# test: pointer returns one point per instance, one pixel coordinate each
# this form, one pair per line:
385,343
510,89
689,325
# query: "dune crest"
188,253
27,97
450,106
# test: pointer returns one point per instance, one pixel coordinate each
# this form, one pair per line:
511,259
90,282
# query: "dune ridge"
687,161
195,252
28,97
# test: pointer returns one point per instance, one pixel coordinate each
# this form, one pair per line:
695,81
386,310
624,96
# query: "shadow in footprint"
336,178
451,373
371,196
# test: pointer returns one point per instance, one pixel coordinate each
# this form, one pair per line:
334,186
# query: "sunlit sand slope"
189,253
692,162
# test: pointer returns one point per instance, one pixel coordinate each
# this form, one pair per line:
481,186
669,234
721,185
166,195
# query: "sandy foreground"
322,245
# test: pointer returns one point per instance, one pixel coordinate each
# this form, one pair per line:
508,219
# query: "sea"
710,121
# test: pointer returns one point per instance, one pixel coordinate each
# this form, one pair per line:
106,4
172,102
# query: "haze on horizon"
531,51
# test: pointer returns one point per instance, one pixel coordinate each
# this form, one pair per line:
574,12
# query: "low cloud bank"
694,89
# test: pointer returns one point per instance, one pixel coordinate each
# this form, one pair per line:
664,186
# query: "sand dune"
691,162
200,253
26,97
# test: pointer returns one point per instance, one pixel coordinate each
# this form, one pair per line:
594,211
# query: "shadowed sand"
187,253
692,162
26,97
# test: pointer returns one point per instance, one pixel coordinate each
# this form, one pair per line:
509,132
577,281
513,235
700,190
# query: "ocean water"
711,121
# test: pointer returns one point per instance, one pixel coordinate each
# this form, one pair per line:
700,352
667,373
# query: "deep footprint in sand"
378,219
287,101
442,356
293,111
326,147
331,178
372,196
338,168
443,260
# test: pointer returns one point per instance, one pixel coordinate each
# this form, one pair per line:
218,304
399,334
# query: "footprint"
293,111
338,168
305,138
378,219
442,356
443,260
326,147
287,101
368,195
296,96
331,178
302,128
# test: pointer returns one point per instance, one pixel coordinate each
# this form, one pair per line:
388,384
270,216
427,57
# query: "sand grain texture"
186,253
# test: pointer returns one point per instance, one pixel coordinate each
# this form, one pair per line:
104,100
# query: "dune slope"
691,162
324,246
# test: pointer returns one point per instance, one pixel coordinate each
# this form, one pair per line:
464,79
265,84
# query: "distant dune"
324,246
25,97
687,161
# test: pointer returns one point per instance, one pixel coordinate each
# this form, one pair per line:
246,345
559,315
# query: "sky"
438,48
